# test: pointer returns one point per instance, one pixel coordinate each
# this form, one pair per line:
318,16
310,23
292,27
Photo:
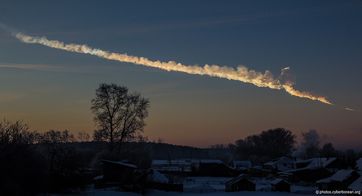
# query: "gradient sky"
320,40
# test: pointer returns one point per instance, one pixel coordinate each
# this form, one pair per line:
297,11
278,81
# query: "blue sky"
320,40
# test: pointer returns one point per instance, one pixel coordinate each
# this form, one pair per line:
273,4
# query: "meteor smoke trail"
241,73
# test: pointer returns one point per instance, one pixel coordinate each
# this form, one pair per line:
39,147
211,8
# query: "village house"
241,165
157,180
215,168
356,185
281,164
311,170
240,183
280,185
194,167
172,166
118,171
338,181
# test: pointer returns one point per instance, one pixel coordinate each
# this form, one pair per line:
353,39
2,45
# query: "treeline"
274,143
33,162
59,161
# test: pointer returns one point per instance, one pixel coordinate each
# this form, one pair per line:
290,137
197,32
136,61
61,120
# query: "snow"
339,176
241,193
110,193
205,186
184,161
156,176
98,177
262,185
171,162
210,161
201,188
181,165
164,193
313,163
241,164
320,162
276,181
303,189
233,180
357,184
121,163
198,184
282,164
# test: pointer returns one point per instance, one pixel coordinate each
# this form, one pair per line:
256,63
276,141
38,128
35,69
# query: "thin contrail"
241,73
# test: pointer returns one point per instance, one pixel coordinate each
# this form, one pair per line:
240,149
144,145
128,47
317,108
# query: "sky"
320,41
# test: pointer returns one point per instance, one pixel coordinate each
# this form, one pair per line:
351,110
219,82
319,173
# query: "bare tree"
83,137
119,114
21,165
15,133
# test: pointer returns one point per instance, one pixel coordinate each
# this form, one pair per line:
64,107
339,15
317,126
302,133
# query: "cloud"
8,97
30,67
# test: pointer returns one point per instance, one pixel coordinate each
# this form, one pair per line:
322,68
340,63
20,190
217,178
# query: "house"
311,170
338,181
306,174
195,167
117,171
155,176
280,185
180,165
241,165
318,162
356,185
157,180
214,168
240,183
172,166
281,164
332,163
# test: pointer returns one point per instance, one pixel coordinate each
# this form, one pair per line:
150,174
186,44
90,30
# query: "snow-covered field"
205,186
163,193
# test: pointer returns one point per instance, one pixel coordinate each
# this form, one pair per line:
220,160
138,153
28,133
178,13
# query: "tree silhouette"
267,145
119,114
328,150
21,166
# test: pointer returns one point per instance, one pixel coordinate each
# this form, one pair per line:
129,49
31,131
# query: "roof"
314,163
282,164
210,161
184,161
357,184
277,181
238,178
171,162
320,162
120,163
156,176
242,164
339,176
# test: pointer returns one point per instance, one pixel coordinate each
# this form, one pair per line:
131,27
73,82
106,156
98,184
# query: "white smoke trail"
349,109
241,73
